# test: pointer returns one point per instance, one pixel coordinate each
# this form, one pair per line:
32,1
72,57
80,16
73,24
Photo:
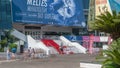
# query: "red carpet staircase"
49,42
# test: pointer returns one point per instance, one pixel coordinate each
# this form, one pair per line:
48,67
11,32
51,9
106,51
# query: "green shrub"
12,46
113,55
3,43
1,49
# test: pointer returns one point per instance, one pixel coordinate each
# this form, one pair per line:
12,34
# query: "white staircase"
80,48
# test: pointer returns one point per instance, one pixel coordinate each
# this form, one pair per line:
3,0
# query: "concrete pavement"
59,61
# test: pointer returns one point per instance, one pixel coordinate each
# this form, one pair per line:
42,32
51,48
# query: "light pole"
6,34
91,40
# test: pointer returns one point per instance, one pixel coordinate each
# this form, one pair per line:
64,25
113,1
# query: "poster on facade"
101,6
56,12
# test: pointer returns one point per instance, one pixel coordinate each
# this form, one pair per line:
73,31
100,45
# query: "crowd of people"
29,53
33,53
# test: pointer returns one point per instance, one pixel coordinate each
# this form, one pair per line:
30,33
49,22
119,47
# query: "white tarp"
80,48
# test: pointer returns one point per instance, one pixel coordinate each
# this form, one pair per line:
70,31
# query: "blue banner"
115,5
74,38
56,12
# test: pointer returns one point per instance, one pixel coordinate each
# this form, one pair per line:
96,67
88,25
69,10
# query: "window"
5,14
32,27
8,18
86,4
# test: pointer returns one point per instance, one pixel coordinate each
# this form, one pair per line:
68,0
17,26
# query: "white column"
0,34
41,33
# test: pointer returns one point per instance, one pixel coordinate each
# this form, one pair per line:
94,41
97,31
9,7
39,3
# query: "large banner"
56,12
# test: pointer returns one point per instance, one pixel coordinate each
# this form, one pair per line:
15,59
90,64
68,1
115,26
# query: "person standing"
13,53
33,53
8,54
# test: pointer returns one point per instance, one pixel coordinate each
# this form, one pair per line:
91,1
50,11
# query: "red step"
49,42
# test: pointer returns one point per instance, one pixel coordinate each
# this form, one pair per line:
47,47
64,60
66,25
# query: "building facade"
5,14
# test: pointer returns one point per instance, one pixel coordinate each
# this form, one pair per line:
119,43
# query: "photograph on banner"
101,7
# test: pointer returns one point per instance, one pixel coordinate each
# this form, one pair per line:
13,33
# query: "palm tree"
108,23
113,55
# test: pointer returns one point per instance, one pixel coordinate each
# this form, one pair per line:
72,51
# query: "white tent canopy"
80,48
37,44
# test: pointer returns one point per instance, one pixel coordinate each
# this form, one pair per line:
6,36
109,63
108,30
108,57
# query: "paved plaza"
59,61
